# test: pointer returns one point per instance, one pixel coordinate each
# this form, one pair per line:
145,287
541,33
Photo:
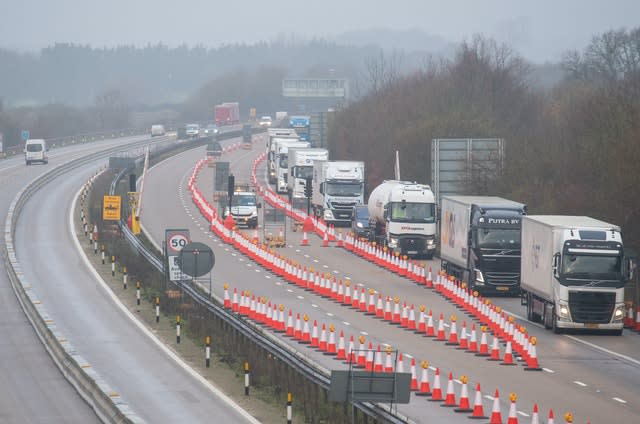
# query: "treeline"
75,74
574,149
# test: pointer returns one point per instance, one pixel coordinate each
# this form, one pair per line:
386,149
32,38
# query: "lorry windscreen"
498,238
243,200
413,212
304,172
344,189
606,267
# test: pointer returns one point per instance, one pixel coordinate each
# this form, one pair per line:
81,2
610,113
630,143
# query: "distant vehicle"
280,116
338,186
214,149
211,129
157,130
247,134
227,113
35,150
182,133
265,122
360,222
193,130
302,125
300,168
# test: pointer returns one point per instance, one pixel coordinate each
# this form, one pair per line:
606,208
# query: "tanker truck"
573,272
403,214
480,241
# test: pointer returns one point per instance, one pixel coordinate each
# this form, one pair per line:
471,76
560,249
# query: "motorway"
595,377
142,372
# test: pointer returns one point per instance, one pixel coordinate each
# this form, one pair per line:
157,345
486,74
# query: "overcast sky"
539,29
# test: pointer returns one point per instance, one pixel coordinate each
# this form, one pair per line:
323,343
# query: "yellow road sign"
111,208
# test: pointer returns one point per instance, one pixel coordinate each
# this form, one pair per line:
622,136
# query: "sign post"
175,240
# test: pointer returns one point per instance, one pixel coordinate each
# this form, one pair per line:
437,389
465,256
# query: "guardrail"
91,387
294,359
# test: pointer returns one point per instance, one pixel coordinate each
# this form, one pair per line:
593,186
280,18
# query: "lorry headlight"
328,215
479,277
431,242
359,225
393,242
618,314
563,310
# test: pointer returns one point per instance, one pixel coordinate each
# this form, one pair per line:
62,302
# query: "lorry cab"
35,150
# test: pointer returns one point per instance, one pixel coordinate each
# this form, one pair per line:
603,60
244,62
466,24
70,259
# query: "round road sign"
177,242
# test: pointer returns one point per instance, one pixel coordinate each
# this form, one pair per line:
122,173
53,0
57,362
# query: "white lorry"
273,135
480,241
282,161
403,214
157,130
338,186
573,272
300,168
35,150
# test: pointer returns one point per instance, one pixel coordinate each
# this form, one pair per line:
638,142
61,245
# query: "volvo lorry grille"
502,278
591,307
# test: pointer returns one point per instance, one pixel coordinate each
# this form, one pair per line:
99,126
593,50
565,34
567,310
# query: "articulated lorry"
338,186
403,215
480,241
573,272
227,113
300,168
282,161
273,135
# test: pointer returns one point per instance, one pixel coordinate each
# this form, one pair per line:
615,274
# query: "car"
360,222
35,150
193,130
214,149
211,129
265,122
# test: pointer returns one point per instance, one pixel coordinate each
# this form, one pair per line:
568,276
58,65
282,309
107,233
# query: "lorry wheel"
554,322
548,317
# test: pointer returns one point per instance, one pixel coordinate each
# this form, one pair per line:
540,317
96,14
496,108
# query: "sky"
541,30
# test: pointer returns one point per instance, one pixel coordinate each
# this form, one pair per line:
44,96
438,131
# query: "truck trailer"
282,161
273,135
403,214
480,241
338,186
227,113
301,167
573,272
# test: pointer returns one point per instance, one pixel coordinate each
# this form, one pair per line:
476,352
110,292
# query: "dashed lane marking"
489,397
314,305
524,414
278,283
329,314
300,297
548,370
617,399
290,291
346,323
335,271
580,383
364,333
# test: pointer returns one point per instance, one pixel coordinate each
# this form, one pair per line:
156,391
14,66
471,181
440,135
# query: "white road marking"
619,400
314,305
306,256
267,277
297,250
346,323
548,370
335,272
234,254
329,314
580,383
300,297
258,271
290,291
325,266
524,414
408,355
364,333
316,261
278,283
489,397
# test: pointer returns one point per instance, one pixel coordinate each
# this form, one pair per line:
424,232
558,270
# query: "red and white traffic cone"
322,343
478,409
362,354
234,303
496,415
429,282
411,322
464,405
464,342
534,415
473,343
430,332
508,356
290,329
331,346
369,362
450,398
422,324
315,342
550,419
424,389
227,300
414,376
484,346
532,359
377,361
440,337
297,332
453,333
306,335
342,355
436,393
351,354
325,240
388,365
495,350
513,415
305,240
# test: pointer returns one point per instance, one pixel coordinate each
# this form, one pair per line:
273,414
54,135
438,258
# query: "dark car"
360,221
214,149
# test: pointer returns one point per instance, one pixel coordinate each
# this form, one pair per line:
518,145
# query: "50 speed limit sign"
176,240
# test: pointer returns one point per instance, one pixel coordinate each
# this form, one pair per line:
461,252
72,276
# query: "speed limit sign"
176,240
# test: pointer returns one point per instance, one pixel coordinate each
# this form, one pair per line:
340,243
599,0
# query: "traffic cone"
377,363
387,310
478,409
388,366
484,346
379,307
424,389
508,355
331,346
513,417
325,240
297,332
464,344
495,350
322,343
340,242
306,336
450,398
429,282
534,415
396,311
404,317
430,332
440,337
362,354
496,416
255,239
411,322
290,330
550,420
453,333
227,300
341,352
473,343
369,362
532,359
464,397
305,240
436,393
414,377
422,324
351,354
400,363
314,334
234,302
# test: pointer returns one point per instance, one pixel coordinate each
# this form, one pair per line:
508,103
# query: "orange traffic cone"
453,333
306,336
508,355
484,346
227,300
351,355
436,393
305,240
478,409
450,399
532,360
314,335
424,389
513,416
430,332
464,397
440,337
377,363
325,240
341,352
331,346
496,416
495,350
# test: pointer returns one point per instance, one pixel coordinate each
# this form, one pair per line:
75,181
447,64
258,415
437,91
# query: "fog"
540,30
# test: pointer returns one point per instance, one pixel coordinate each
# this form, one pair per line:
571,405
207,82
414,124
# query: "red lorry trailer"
227,113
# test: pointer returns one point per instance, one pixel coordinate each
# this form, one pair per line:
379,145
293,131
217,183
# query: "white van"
157,130
35,150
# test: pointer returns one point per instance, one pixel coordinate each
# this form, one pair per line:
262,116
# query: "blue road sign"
24,135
